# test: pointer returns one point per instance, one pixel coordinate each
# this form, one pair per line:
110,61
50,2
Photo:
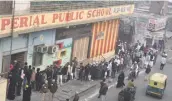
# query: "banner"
43,20
157,24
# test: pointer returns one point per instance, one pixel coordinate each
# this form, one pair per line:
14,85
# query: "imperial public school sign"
42,20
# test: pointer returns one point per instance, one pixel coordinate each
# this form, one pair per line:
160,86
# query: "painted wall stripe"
99,41
116,26
117,32
102,41
96,32
106,36
93,41
112,35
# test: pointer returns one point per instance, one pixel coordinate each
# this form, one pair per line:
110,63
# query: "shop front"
104,37
74,42
18,52
44,43
42,49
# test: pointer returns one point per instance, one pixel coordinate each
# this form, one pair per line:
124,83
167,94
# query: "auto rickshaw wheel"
120,98
160,97
146,93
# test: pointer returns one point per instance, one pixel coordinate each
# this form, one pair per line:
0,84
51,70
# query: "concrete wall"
17,44
22,6
48,39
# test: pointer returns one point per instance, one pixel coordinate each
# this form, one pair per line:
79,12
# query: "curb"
81,93
84,91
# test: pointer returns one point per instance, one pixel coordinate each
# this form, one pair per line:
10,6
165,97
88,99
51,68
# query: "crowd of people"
129,56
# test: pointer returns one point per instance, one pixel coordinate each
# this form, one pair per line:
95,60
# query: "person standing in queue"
114,68
20,78
13,81
27,91
33,82
75,67
81,72
38,80
60,76
44,90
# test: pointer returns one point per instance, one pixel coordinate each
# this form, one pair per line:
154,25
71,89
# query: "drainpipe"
12,25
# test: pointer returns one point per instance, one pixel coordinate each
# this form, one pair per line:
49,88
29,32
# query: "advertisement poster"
65,50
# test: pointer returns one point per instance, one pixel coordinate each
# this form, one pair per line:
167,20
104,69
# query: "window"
37,57
155,83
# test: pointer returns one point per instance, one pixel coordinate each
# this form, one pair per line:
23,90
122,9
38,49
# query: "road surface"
112,94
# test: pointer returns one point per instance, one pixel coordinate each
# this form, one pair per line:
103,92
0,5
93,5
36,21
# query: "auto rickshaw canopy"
158,80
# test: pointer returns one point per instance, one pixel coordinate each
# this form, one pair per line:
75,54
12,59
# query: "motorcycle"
133,74
132,92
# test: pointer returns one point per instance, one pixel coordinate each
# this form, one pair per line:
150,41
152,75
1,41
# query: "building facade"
42,39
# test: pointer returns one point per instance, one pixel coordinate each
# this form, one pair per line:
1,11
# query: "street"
112,94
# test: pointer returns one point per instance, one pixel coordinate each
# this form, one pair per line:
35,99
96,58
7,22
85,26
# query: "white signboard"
157,24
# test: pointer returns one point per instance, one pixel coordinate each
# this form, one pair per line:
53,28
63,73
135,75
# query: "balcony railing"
72,5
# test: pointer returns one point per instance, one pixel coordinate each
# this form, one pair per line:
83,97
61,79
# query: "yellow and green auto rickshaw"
157,85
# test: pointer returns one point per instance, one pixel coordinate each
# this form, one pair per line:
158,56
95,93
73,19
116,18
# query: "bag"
53,88
44,88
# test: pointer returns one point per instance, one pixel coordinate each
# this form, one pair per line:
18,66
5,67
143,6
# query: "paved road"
141,87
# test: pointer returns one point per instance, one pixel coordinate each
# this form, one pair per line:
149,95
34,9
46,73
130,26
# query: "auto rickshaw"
157,85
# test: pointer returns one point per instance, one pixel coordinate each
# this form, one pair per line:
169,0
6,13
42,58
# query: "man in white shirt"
109,68
117,60
163,62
